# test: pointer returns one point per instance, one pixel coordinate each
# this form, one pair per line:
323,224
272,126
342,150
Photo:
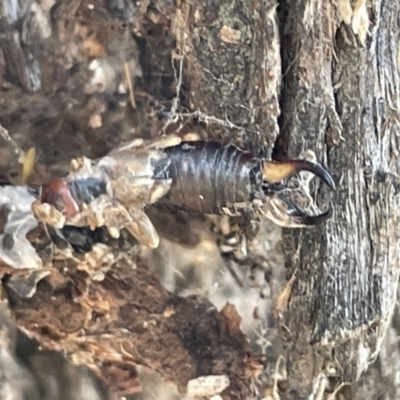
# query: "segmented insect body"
203,177
209,177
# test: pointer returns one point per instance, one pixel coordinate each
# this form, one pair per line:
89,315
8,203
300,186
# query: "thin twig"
130,86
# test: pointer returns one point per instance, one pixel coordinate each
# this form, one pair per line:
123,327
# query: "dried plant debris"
15,381
16,251
127,319
29,372
207,386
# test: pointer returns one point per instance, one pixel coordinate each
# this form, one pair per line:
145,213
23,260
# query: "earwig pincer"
211,178
202,177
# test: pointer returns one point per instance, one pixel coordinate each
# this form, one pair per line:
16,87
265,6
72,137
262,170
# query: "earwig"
202,177
208,177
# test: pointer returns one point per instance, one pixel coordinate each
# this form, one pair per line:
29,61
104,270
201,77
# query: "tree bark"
339,93
278,78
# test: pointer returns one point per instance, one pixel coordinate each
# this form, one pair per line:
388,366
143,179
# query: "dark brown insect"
202,177
208,177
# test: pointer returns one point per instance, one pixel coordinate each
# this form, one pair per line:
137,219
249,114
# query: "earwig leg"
287,215
274,172
165,142
143,229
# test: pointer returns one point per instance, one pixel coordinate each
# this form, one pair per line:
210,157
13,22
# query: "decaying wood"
119,317
28,372
276,77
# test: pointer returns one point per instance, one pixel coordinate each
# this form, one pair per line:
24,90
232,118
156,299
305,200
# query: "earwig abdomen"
208,176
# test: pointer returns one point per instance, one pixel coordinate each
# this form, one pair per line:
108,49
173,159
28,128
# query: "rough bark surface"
339,96
278,78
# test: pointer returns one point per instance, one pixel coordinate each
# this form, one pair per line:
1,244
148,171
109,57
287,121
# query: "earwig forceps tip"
308,220
274,172
281,210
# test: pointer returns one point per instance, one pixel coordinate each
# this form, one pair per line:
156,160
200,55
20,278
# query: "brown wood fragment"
128,319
